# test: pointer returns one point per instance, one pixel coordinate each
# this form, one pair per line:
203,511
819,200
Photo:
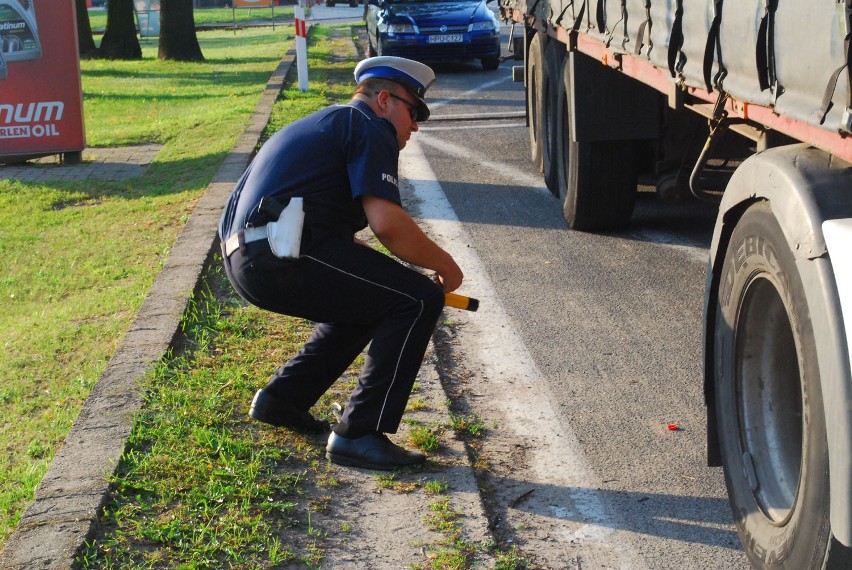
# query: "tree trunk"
177,31
85,41
120,41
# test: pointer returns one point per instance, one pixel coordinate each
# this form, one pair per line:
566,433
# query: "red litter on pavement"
673,427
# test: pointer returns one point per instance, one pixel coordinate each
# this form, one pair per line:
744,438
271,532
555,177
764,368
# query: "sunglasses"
412,108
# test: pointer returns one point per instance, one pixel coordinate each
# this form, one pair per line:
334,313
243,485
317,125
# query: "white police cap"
413,75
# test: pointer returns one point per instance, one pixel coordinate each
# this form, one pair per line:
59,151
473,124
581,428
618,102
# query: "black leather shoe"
371,451
274,411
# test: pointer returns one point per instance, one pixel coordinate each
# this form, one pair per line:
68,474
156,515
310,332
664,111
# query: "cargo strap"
589,24
575,27
643,37
532,9
558,20
844,19
529,17
600,15
676,40
765,55
626,38
714,48
623,20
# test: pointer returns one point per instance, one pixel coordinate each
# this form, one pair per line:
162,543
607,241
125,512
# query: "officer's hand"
450,279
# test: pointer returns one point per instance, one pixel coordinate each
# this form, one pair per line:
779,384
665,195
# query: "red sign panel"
253,3
41,99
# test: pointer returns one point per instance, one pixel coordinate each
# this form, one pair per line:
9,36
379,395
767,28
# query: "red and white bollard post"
301,47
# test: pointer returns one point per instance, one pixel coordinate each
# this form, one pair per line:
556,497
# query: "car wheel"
490,63
769,402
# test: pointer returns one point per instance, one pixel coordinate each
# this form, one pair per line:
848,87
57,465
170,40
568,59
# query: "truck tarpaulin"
41,100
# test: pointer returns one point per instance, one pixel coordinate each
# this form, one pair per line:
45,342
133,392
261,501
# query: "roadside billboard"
41,99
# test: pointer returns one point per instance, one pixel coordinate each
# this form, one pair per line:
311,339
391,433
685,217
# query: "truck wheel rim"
769,395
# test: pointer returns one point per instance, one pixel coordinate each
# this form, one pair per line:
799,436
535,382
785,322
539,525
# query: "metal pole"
301,45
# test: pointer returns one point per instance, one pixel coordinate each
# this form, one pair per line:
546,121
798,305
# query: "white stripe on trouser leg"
398,360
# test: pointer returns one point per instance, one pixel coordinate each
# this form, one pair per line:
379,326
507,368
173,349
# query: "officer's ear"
383,100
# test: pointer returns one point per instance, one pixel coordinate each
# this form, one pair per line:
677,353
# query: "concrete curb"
53,529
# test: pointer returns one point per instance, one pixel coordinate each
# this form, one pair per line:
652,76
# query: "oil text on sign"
16,121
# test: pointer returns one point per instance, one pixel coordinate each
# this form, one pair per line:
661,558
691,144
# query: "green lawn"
217,16
80,257
200,485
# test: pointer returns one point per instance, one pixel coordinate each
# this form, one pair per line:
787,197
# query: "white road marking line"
437,104
473,126
698,253
508,172
557,464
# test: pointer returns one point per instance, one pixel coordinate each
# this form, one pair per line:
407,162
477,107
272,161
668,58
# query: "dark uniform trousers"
355,295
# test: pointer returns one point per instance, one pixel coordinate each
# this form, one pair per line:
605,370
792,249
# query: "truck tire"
535,98
769,405
554,60
599,180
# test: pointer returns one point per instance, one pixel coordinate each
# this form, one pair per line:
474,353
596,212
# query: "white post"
301,46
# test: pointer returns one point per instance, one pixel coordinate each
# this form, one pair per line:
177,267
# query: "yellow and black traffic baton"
461,302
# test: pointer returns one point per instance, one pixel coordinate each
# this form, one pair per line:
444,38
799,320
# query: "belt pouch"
285,234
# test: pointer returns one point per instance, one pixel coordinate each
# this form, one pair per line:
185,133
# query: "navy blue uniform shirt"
331,158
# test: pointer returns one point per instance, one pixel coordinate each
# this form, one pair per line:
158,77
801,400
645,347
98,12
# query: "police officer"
342,161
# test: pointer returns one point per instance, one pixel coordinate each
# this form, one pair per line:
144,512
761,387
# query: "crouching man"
342,162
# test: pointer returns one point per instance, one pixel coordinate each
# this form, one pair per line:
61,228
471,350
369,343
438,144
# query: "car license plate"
446,39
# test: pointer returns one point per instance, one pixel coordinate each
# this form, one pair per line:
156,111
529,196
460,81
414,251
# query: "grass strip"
80,257
201,486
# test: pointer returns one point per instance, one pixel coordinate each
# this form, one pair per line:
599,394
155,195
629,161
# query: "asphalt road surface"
586,347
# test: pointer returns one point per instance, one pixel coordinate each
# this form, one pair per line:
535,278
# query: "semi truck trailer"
747,104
